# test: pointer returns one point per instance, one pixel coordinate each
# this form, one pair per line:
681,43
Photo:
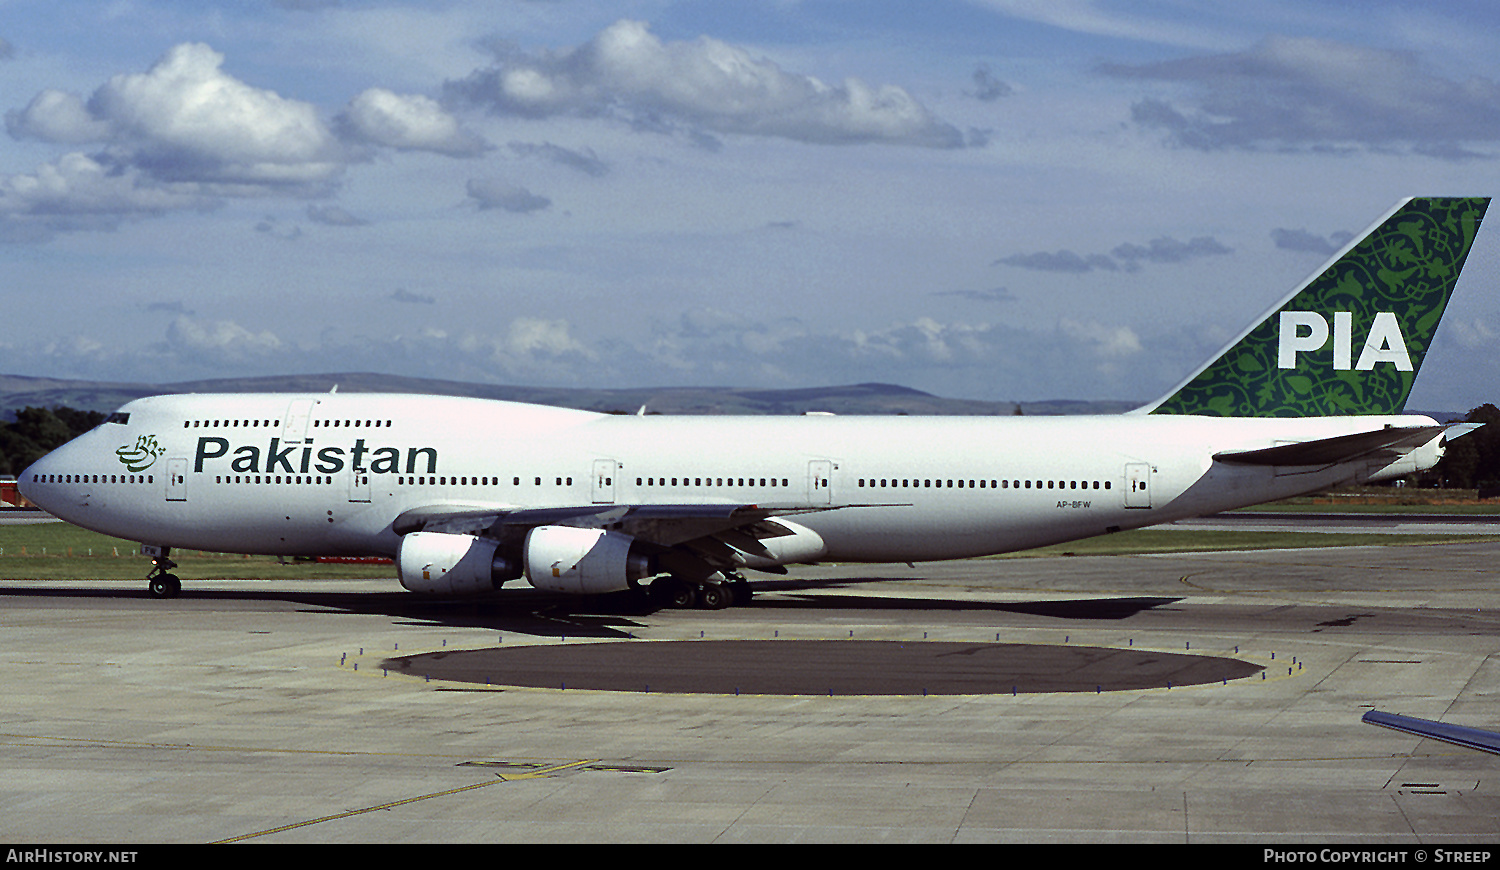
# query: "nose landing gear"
161,582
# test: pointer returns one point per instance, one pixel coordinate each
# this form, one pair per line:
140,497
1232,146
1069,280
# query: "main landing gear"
709,595
161,582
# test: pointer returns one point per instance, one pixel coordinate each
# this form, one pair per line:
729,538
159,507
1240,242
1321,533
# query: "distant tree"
1459,465
41,426
37,431
78,422
17,451
1474,460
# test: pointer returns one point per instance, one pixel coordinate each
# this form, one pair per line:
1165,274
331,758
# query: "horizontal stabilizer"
1459,430
1331,451
1473,738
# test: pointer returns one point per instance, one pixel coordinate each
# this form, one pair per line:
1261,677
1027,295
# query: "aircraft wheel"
165,586
715,596
679,595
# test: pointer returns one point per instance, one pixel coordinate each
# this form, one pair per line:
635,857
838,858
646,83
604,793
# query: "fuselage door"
1138,484
294,428
820,481
359,484
604,481
176,480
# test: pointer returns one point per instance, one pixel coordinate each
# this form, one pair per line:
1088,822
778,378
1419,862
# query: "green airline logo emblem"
142,455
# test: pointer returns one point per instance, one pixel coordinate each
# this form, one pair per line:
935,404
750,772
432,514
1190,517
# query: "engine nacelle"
583,561
444,564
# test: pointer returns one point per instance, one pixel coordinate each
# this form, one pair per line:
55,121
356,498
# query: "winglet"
1351,338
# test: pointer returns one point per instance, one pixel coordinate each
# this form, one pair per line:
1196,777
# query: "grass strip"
58,551
1147,541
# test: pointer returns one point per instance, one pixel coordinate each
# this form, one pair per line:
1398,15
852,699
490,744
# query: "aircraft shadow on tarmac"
798,667
545,614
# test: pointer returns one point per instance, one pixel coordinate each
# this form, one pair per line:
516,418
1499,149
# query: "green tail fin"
1349,340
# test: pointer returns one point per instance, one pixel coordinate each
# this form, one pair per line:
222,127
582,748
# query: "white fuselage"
327,474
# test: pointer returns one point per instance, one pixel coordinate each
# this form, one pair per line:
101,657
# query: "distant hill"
20,392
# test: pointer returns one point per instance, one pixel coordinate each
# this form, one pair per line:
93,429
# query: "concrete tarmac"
352,712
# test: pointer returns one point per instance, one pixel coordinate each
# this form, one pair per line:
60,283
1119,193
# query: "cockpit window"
117,417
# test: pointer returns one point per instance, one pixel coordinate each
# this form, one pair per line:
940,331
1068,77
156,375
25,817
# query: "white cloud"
186,134
79,192
539,350
333,216
585,160
1473,333
401,294
410,122
219,342
493,193
536,337
185,119
1128,256
1304,241
1306,92
1110,342
705,83
56,116
1091,17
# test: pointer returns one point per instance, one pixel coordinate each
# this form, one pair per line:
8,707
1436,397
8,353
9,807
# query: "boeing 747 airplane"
469,494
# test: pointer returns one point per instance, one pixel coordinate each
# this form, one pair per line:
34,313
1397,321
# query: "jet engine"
444,564
554,558
583,561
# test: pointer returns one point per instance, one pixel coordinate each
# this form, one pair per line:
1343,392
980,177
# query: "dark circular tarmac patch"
833,667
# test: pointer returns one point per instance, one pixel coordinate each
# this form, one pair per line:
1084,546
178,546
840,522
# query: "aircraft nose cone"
26,482
38,483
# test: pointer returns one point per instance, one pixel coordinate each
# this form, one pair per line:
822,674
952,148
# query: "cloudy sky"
994,199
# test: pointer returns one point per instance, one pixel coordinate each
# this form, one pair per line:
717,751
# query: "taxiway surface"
323,712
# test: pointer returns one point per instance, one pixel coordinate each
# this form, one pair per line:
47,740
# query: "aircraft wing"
1387,443
1473,738
665,525
711,533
